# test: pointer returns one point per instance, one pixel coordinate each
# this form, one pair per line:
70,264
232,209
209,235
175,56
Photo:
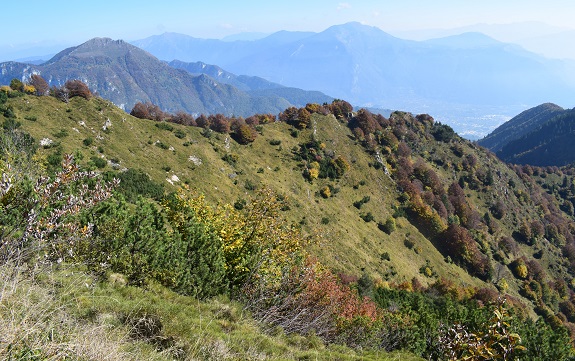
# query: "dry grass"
36,325
63,314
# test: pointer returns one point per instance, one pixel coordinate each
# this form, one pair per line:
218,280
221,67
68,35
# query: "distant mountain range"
253,85
469,81
541,136
548,40
367,66
125,74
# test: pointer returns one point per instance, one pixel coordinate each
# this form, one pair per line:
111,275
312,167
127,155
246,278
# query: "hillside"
540,136
198,161
519,126
549,145
400,203
125,75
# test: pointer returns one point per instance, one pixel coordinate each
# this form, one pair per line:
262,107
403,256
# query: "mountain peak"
97,47
101,41
357,27
355,32
467,40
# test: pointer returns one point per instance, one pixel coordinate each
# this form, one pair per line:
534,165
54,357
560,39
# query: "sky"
43,23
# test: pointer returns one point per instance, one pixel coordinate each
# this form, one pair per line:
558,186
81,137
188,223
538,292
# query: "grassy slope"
66,314
347,243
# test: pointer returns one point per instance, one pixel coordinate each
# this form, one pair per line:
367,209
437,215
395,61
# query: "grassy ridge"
348,243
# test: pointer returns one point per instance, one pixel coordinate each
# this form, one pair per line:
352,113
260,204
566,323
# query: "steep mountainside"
126,75
549,145
541,136
428,181
400,203
520,125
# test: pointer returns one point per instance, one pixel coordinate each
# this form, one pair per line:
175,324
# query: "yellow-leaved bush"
256,241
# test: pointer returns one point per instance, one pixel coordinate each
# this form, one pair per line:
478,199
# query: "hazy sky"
66,22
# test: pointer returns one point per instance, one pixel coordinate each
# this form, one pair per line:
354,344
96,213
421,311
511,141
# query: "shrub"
519,268
231,158
367,217
76,88
240,204
361,202
495,341
333,311
249,185
325,192
257,243
245,134
99,162
147,111
40,85
29,89
219,123
460,246
389,225
409,242
201,267
16,84
88,141
164,126
39,219
61,134
442,132
162,145
180,134
135,182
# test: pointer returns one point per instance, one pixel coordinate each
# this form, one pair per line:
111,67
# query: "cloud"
343,6
227,26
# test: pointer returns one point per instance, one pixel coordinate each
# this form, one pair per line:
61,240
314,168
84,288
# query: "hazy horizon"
57,25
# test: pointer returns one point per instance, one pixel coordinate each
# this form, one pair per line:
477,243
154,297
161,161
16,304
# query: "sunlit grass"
59,314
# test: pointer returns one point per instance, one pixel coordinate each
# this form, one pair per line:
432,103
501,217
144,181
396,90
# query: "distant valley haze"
470,65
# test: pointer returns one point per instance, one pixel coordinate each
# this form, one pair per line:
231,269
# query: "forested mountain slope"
540,136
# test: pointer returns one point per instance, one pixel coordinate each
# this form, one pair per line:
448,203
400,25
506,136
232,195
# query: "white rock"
46,142
195,160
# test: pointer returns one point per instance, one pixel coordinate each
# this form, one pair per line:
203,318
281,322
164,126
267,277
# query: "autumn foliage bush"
77,88
457,243
311,299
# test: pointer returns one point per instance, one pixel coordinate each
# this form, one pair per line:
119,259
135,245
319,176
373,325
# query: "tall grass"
36,325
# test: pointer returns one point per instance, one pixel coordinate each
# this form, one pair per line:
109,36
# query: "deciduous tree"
39,84
77,88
